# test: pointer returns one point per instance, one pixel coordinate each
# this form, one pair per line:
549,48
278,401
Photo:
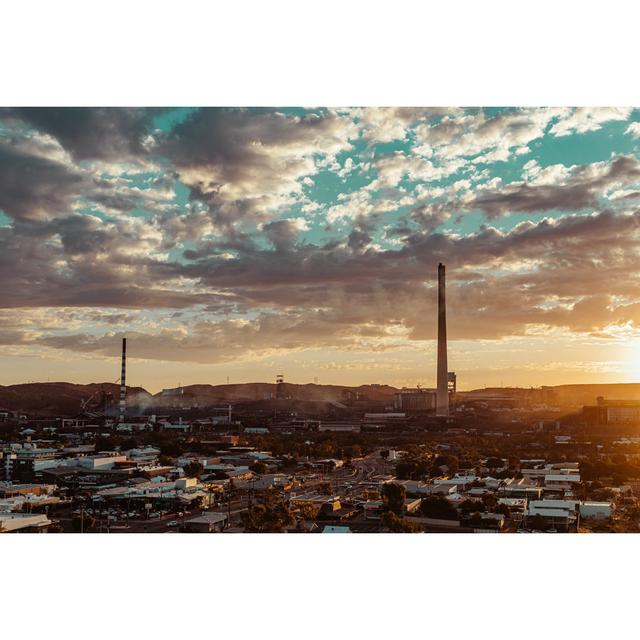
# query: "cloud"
584,119
91,133
35,187
248,165
633,130
246,269
558,188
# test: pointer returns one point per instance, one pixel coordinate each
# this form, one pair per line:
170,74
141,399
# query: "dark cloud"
236,268
242,163
582,189
91,133
33,187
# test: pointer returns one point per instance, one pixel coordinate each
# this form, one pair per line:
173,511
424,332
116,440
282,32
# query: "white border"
287,52
326,53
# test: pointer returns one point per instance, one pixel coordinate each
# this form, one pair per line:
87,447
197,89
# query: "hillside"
64,398
52,398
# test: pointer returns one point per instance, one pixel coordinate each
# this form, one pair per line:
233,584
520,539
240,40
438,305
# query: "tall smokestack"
442,398
123,379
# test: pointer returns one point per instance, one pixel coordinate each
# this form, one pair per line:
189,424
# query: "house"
561,481
207,522
597,510
24,522
558,514
335,529
411,505
462,482
373,509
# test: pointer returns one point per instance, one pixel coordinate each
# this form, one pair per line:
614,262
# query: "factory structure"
438,400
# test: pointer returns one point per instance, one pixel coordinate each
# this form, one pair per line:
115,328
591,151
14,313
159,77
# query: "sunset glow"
240,243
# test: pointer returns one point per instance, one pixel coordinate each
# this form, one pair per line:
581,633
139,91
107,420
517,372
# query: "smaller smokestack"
123,379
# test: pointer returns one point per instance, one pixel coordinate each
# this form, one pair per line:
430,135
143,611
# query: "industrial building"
416,399
612,412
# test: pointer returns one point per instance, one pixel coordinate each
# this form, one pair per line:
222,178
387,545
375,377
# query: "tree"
494,463
258,467
165,461
393,495
128,443
325,488
412,468
470,506
489,501
193,469
83,522
384,454
196,503
396,524
449,461
438,507
475,520
170,448
270,514
308,511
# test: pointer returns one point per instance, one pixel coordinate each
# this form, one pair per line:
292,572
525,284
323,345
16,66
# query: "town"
320,458
491,466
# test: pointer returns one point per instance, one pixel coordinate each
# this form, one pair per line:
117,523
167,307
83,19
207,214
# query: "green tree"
489,501
474,520
258,467
83,522
164,460
396,524
393,496
193,469
170,448
468,507
325,488
128,443
438,507
269,514
412,468
196,503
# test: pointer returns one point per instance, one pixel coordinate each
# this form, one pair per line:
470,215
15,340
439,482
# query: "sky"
241,243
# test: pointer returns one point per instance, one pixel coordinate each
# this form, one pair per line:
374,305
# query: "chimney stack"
123,379
442,397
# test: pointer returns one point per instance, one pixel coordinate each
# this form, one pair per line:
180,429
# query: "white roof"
548,513
562,477
210,517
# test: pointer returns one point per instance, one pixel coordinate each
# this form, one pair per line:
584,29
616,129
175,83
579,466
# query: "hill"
64,398
60,398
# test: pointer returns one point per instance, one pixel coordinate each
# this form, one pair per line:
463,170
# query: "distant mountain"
565,395
64,398
263,390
